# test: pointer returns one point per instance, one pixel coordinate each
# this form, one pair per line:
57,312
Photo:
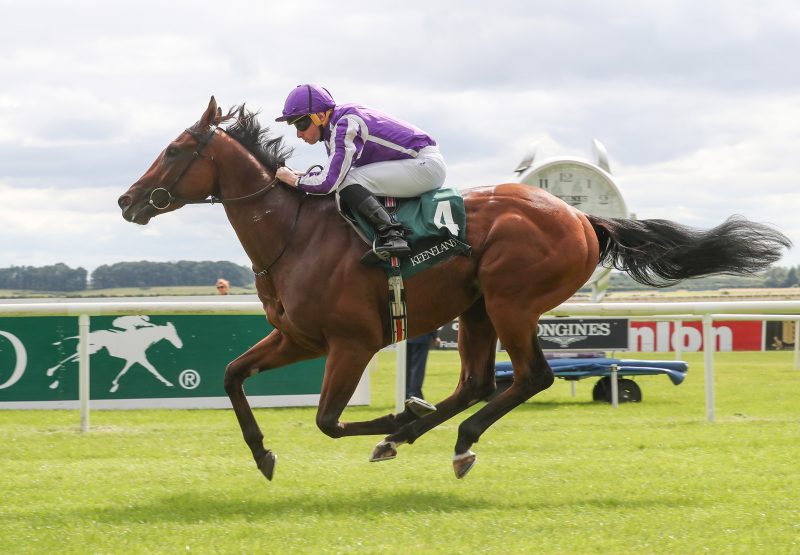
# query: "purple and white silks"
357,137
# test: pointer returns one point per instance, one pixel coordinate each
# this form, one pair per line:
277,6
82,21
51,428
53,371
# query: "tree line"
60,277
776,276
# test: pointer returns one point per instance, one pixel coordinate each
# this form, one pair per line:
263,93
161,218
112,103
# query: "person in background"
416,359
223,286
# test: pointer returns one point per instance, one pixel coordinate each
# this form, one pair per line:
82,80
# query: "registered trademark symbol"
189,379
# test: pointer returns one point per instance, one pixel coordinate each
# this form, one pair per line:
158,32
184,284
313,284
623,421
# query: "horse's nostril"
124,201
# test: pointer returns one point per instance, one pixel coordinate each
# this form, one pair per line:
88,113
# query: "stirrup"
373,257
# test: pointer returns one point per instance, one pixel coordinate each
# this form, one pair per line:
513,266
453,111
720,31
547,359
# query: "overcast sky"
697,102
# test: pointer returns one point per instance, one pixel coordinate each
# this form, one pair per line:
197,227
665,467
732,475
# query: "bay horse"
530,253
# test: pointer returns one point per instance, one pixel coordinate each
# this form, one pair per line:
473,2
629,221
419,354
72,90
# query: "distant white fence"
707,312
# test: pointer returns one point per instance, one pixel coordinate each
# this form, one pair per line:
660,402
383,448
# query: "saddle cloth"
436,228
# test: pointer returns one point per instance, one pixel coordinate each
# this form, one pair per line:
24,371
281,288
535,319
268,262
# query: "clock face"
580,184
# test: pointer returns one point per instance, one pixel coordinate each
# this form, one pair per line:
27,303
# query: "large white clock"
588,186
585,185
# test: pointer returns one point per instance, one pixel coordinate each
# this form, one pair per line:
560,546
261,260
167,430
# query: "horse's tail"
661,253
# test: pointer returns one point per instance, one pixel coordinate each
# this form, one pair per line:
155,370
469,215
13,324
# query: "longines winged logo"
565,332
129,340
564,341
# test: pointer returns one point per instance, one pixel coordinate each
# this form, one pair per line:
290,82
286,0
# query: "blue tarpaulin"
578,368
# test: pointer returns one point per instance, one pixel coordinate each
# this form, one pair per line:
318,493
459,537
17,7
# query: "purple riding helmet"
304,100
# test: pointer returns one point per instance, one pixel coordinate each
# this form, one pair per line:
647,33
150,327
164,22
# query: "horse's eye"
172,151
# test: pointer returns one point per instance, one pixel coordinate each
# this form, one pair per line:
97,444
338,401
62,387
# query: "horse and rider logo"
139,362
129,339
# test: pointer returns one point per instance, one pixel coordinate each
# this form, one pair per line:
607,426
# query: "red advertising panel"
648,337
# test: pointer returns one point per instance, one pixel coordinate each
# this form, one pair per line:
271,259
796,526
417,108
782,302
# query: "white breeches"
401,178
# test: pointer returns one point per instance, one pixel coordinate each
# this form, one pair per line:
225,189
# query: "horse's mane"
248,132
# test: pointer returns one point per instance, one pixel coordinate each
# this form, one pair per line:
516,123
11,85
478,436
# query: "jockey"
369,153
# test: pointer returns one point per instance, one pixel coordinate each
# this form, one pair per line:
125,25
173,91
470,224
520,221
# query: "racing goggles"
302,123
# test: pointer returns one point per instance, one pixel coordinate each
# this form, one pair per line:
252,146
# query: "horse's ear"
218,118
210,114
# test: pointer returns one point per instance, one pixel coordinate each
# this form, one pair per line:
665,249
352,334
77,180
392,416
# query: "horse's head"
171,335
184,172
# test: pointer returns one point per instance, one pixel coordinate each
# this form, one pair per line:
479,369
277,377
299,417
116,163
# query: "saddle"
435,228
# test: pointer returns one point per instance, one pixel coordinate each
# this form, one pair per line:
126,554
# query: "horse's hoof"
384,451
463,463
266,464
419,407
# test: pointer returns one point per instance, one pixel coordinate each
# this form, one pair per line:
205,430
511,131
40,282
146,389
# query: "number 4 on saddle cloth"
436,230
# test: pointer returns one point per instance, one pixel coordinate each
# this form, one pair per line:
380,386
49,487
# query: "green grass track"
557,475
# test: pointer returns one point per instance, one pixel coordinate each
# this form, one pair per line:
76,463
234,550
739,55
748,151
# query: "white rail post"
400,382
708,350
614,386
83,370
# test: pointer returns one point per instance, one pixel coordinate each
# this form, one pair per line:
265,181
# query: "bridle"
161,197
202,141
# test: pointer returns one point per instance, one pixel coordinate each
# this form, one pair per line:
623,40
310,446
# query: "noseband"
161,197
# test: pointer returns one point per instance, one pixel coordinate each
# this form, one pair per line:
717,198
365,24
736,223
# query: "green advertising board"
172,361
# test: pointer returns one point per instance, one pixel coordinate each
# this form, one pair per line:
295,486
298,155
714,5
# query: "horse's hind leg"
70,358
532,374
476,344
115,381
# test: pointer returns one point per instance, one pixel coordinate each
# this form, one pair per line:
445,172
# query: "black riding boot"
390,241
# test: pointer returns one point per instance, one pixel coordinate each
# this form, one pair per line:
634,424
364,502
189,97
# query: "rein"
166,193
161,197
265,271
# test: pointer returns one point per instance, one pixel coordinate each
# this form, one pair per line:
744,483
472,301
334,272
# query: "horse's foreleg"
353,367
273,351
152,369
476,344
333,407
345,365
